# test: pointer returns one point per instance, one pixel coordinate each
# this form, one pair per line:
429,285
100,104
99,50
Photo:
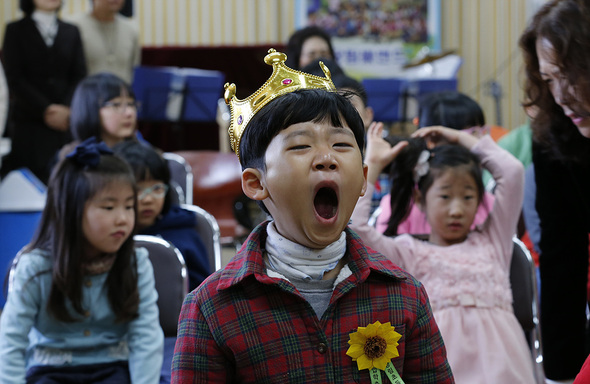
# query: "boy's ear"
365,171
252,184
370,113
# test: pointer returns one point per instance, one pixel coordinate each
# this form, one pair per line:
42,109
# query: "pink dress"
416,222
468,283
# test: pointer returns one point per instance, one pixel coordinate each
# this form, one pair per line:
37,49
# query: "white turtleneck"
46,24
296,261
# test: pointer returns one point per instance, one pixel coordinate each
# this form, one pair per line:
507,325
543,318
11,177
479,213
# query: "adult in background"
308,44
556,49
43,62
110,40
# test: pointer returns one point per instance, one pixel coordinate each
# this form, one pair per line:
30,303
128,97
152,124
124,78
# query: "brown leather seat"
216,186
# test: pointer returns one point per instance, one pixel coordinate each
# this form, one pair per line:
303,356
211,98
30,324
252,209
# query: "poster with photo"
376,38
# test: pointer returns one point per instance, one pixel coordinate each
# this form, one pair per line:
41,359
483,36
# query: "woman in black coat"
556,49
43,61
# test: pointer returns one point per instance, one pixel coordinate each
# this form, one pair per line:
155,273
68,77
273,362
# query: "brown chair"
216,186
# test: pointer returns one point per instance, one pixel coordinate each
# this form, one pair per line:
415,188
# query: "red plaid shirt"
241,325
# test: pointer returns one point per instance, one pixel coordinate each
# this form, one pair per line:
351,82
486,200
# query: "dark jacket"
178,226
37,76
563,205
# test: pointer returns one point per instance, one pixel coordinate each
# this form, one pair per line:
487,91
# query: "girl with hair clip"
449,109
82,304
465,271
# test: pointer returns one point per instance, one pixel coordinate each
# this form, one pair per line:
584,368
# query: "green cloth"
519,143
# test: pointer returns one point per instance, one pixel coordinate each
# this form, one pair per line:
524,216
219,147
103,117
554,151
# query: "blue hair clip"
88,152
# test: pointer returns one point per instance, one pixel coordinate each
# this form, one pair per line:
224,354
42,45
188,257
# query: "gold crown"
283,80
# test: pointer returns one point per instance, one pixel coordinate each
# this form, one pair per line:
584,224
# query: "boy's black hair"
451,109
441,158
300,106
147,164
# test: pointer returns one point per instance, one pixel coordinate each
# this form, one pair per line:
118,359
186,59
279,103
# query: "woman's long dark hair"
566,25
441,158
60,233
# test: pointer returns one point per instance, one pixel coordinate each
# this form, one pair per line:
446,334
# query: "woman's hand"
379,152
438,135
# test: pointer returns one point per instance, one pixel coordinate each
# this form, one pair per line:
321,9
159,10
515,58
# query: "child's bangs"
112,170
335,109
112,87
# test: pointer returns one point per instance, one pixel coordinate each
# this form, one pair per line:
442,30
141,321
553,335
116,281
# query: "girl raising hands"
466,272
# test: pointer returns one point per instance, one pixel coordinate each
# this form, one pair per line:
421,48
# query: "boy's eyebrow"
344,130
333,130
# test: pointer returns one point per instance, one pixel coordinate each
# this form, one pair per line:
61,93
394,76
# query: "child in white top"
466,272
82,302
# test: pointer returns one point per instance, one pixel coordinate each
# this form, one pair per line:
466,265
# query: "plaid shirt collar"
249,261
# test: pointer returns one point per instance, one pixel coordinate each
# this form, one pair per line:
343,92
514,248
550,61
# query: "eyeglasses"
121,107
157,191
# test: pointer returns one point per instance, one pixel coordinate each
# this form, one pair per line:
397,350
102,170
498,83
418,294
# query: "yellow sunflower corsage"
373,347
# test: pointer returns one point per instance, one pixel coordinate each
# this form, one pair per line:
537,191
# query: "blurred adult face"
47,5
312,49
113,6
563,92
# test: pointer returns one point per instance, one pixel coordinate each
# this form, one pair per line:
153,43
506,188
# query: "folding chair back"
523,281
171,278
209,231
181,177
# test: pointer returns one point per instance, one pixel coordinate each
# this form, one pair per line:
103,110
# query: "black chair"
171,278
523,281
208,229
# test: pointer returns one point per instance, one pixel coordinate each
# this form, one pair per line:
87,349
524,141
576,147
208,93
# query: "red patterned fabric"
243,326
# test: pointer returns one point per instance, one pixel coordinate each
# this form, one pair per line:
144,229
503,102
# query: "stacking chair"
171,279
217,183
523,281
181,177
209,231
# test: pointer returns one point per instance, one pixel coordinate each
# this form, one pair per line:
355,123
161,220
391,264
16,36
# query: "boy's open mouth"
326,203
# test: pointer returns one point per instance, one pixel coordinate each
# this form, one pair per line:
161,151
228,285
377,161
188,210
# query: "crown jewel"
283,80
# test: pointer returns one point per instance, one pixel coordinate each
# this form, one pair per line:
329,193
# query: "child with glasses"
104,106
158,215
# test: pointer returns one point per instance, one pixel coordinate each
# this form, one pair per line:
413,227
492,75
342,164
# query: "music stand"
384,96
177,94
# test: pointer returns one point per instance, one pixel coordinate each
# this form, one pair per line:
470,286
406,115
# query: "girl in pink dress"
464,270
